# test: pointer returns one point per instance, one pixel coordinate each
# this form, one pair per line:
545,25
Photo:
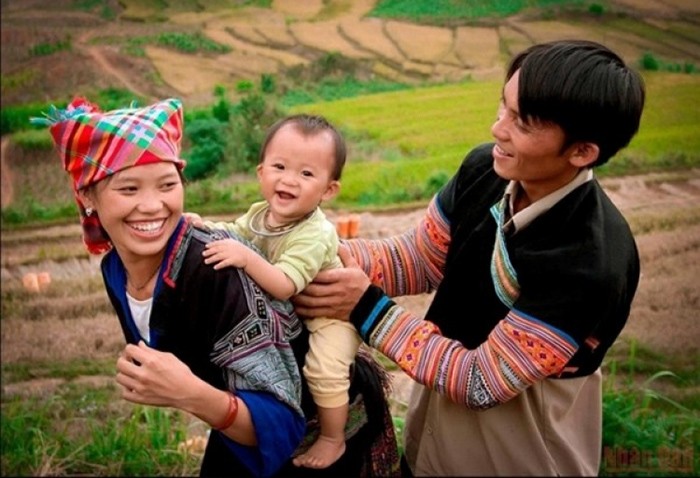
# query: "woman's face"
139,208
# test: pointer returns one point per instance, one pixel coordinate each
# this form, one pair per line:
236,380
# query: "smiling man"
533,269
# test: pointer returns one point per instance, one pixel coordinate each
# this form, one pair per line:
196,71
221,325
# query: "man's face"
529,152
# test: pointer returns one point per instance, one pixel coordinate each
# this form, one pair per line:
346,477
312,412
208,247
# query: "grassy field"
433,128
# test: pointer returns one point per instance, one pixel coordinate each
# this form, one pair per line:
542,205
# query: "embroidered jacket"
234,336
508,311
230,334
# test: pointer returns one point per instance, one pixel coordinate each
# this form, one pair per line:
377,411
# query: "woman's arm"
151,377
264,433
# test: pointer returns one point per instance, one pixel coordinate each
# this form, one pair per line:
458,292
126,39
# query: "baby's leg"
330,444
332,348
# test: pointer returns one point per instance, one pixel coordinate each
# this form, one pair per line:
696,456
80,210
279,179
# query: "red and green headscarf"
94,145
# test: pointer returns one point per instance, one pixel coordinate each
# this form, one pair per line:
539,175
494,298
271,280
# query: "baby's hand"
226,253
195,218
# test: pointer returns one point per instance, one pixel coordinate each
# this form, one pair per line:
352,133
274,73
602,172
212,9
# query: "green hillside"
434,127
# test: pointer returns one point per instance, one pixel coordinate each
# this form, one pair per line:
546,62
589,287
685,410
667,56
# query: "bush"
202,160
207,138
252,116
268,84
45,49
222,110
649,62
16,118
596,9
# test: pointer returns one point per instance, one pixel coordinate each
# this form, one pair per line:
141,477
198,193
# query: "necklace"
139,288
259,224
281,228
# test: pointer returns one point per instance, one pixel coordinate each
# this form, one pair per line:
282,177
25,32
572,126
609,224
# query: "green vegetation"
438,11
647,432
15,118
105,10
23,371
434,127
182,42
18,80
83,430
44,49
335,89
649,61
160,10
331,77
33,139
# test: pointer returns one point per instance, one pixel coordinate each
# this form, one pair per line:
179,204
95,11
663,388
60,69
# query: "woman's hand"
151,377
334,292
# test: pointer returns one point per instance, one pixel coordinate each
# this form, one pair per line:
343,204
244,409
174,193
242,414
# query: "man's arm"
410,263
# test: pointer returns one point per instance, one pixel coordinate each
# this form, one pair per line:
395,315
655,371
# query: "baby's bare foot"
322,454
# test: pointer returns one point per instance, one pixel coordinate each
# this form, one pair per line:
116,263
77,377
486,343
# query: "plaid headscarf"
94,145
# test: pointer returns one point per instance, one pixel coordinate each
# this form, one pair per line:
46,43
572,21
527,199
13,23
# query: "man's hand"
335,292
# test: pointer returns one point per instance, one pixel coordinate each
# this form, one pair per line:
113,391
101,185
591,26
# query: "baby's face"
295,175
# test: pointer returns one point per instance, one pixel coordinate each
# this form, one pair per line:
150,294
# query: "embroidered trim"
503,275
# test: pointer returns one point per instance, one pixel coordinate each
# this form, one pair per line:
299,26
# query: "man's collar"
523,218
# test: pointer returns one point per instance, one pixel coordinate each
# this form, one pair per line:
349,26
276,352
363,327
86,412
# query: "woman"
207,342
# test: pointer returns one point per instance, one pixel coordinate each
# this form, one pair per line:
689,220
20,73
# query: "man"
534,271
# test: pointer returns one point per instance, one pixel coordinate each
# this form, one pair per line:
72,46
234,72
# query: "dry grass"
303,31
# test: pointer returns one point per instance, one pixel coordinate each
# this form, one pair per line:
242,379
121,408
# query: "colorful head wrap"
94,145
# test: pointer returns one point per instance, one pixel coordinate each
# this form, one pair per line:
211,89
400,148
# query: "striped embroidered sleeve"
520,351
411,263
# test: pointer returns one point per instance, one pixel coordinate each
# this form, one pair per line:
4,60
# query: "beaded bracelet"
231,413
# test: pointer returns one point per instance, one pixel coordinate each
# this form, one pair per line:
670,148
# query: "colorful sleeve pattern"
520,351
411,263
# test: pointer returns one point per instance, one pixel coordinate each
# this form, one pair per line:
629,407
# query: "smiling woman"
205,341
144,207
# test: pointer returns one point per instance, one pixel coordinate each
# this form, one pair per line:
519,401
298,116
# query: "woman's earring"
89,211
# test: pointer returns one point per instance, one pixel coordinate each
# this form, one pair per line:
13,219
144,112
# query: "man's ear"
331,191
584,154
